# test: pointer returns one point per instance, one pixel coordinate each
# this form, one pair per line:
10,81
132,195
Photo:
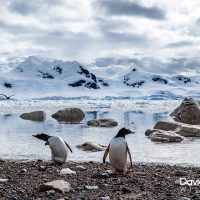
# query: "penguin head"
123,132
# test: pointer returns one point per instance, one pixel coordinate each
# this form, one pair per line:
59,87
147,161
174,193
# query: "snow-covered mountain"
37,77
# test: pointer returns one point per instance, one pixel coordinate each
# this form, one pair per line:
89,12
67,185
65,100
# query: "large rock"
69,115
167,126
91,146
57,185
34,116
102,123
182,129
165,136
188,112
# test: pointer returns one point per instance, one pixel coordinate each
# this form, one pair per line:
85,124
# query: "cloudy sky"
88,29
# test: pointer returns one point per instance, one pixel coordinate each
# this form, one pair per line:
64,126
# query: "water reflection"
16,141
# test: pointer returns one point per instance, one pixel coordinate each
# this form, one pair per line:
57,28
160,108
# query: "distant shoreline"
23,180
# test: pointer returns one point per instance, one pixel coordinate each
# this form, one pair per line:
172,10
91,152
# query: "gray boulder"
34,116
188,112
102,123
167,126
182,129
165,136
69,115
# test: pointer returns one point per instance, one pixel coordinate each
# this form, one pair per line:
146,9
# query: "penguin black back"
42,136
123,132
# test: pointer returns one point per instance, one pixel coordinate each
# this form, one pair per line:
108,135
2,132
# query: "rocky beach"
90,180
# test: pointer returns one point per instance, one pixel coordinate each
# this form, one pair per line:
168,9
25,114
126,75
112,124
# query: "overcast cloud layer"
85,30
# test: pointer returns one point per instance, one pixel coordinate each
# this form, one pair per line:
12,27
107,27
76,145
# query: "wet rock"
188,112
57,185
69,115
34,116
102,123
91,146
66,171
165,136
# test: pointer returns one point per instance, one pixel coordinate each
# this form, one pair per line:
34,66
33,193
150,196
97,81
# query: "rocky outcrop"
91,146
102,123
156,135
182,129
69,115
188,112
34,116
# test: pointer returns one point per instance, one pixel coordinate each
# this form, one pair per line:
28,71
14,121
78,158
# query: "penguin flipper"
68,146
129,155
106,153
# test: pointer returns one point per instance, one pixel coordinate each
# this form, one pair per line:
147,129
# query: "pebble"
105,198
184,198
66,171
180,173
50,192
23,170
90,187
2,180
80,168
140,173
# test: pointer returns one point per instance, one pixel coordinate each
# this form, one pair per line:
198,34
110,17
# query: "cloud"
130,8
27,7
180,44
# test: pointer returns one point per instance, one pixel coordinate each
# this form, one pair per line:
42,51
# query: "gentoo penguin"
57,145
118,149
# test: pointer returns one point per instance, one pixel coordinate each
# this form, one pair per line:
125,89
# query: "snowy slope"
37,77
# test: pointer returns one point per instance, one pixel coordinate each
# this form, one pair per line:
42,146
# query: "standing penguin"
57,145
118,149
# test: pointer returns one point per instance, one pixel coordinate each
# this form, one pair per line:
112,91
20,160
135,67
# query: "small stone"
140,173
23,170
66,171
184,198
2,180
50,192
180,173
125,190
104,175
90,187
105,198
42,168
80,168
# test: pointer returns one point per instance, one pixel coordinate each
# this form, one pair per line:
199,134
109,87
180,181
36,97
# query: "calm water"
16,141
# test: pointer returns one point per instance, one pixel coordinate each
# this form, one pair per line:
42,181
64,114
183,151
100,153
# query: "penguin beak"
132,132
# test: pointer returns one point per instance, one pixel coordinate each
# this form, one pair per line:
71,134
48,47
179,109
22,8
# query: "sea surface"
17,142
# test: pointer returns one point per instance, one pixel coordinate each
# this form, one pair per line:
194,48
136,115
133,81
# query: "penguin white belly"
118,154
58,149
